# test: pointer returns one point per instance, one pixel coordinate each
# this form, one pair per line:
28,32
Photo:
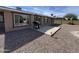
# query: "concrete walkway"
75,33
49,30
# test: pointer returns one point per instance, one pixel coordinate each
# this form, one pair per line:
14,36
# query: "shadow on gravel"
17,39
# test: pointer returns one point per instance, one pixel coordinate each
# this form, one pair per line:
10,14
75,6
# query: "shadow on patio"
16,39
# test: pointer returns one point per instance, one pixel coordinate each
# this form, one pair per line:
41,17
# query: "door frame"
2,14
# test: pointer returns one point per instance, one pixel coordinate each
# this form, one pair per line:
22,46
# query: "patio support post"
8,21
50,21
32,19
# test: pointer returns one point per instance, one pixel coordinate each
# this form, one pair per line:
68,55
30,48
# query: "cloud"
45,10
71,9
48,10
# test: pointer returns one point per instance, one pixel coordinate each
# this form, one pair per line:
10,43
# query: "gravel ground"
31,41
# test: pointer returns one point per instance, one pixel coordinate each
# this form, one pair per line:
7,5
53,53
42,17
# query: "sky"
59,11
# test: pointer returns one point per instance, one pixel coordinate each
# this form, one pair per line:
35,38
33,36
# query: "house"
12,19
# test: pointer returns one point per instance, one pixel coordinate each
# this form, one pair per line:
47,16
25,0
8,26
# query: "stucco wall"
8,18
32,19
8,21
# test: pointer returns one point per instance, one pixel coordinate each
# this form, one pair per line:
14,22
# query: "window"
46,20
37,18
17,18
21,19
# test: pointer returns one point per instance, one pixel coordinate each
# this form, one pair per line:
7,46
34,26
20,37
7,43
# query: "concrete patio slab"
32,41
49,30
2,39
75,33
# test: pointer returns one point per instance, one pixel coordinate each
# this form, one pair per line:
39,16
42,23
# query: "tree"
51,14
69,16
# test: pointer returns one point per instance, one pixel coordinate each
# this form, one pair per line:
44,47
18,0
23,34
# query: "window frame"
20,24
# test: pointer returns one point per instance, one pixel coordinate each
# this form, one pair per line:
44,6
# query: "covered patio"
49,30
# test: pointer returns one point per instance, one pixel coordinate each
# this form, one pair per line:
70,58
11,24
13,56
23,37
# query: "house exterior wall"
49,22
9,21
32,19
42,19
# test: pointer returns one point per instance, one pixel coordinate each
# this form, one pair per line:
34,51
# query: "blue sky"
59,11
